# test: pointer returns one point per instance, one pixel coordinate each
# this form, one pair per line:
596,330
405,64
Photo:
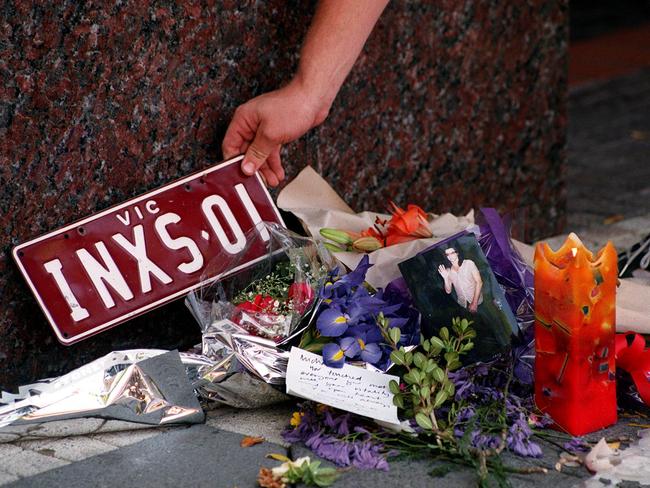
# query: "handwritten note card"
349,388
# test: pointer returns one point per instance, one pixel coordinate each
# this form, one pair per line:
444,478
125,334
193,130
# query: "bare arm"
259,127
476,276
444,272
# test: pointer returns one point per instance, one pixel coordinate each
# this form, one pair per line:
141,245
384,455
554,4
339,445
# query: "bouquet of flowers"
349,319
259,307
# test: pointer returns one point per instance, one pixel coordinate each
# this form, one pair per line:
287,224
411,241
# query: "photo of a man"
465,279
452,279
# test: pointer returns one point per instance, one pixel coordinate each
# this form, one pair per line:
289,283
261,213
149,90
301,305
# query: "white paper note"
349,388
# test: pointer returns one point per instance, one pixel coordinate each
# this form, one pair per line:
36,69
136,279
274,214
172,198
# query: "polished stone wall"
452,105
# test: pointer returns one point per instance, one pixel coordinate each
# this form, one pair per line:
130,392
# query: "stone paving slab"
126,438
266,422
7,478
69,448
70,440
21,462
70,428
197,456
608,147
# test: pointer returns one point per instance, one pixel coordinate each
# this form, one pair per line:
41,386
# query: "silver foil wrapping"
145,385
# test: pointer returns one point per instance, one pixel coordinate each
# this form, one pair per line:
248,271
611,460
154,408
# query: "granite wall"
452,105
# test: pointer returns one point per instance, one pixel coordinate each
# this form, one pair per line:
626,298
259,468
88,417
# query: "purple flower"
333,355
368,456
518,439
576,445
332,322
331,449
342,285
324,433
484,441
370,353
349,312
350,346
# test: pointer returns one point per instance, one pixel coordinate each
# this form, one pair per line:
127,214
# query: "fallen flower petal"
599,458
249,441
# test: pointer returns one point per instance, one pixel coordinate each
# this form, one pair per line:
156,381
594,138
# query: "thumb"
257,153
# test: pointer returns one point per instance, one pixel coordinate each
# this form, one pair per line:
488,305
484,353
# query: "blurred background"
608,182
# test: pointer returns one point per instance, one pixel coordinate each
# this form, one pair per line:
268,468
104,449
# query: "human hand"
444,272
473,307
260,126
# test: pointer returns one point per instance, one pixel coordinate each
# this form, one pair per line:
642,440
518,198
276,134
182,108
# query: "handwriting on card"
349,388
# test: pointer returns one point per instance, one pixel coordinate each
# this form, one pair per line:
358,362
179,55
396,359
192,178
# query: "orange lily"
403,226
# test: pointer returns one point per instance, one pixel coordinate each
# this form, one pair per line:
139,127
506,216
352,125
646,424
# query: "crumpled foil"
240,368
143,385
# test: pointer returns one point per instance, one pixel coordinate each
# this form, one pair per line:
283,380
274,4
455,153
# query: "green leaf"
423,421
426,345
326,477
393,386
437,344
316,345
394,334
429,366
441,397
409,378
451,356
464,324
450,389
408,358
470,334
419,359
398,401
397,357
413,376
438,374
454,365
444,334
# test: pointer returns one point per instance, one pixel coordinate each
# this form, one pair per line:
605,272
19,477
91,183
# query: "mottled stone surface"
452,105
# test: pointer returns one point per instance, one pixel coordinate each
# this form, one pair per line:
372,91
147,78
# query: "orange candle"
575,315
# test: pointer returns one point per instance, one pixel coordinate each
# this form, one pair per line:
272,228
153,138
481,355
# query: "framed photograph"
453,279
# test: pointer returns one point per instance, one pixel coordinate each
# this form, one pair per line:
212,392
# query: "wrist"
317,96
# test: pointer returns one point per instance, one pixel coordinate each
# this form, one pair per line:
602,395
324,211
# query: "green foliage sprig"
426,384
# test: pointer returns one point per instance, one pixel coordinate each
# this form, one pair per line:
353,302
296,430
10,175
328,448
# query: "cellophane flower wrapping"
516,279
252,310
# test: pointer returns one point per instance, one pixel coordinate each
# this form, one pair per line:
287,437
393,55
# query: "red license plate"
128,259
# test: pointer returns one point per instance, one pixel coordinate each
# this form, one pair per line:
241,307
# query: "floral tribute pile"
450,408
465,414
